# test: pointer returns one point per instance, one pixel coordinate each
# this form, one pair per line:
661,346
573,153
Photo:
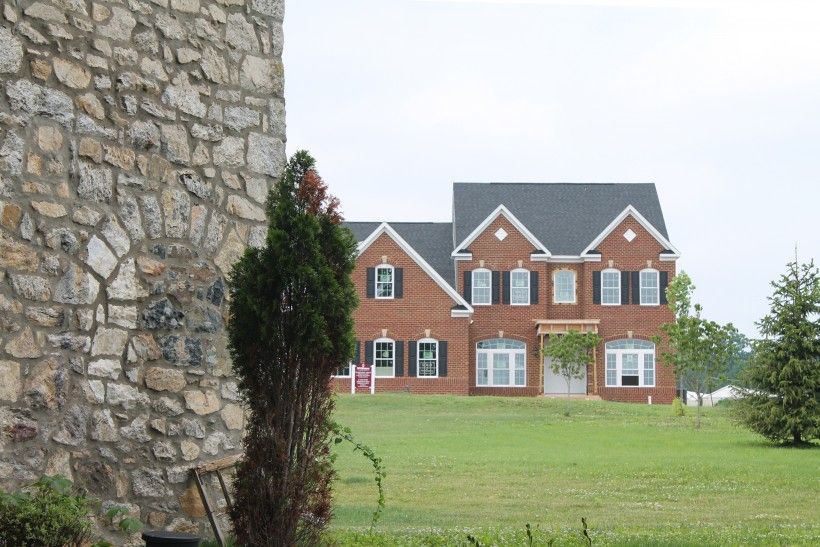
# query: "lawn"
487,466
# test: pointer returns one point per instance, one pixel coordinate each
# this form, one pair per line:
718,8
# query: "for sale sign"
363,379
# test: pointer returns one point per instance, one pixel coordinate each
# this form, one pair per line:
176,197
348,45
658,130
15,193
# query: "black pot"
167,539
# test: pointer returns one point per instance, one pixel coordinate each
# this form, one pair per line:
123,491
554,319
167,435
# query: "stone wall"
138,140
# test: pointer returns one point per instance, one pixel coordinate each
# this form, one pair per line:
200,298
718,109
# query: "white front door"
555,384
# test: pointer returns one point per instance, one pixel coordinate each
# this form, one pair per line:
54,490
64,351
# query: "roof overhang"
386,229
501,210
672,254
545,327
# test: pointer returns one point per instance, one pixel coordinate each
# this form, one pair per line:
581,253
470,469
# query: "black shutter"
371,283
636,287
506,298
442,358
496,287
357,353
624,287
664,283
468,286
596,287
368,352
399,355
398,287
411,358
533,287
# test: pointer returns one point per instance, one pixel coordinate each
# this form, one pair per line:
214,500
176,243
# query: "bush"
50,513
677,407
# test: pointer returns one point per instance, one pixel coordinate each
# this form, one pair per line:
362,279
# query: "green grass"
488,466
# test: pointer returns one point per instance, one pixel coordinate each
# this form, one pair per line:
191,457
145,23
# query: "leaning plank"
216,466
222,463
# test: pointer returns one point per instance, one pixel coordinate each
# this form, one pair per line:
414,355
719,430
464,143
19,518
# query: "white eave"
385,228
459,254
631,211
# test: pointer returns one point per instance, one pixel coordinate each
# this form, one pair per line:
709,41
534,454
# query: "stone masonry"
138,141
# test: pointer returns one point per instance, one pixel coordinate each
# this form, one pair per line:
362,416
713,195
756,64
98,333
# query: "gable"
488,223
667,251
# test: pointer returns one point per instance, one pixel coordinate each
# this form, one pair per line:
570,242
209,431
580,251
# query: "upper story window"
384,358
520,287
385,277
482,287
650,287
630,363
611,287
564,284
427,358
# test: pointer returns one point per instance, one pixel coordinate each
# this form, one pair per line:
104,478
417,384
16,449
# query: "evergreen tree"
783,399
290,327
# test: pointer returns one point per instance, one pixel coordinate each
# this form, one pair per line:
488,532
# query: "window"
344,371
482,287
520,287
427,364
384,281
564,283
650,288
501,363
624,359
611,288
385,358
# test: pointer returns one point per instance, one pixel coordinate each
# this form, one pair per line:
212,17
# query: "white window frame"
419,359
512,286
511,352
350,367
615,356
657,287
555,297
489,287
603,276
392,282
376,357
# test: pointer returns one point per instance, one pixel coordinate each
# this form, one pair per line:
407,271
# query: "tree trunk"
700,404
797,438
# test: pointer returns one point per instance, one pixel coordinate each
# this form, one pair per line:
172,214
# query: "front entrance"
555,384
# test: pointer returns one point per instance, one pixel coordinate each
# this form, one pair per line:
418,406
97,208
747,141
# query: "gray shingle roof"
564,217
432,240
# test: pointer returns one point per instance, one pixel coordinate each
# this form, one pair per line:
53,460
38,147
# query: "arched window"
501,363
564,287
482,287
520,287
427,358
611,287
630,363
385,281
650,287
384,357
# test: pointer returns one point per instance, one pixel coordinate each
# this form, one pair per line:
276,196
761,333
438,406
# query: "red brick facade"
426,309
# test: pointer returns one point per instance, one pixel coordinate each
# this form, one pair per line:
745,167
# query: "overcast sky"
717,102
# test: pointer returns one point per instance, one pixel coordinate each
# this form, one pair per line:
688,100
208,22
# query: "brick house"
464,307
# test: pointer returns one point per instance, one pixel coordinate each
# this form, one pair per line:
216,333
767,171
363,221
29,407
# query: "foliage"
783,399
487,465
700,350
571,353
345,434
290,327
677,408
50,513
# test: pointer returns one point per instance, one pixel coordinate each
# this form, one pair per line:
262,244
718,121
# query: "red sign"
363,379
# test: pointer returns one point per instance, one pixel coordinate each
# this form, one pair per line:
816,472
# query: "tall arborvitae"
290,328
783,400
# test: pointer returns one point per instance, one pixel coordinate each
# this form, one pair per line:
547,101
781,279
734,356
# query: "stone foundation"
138,140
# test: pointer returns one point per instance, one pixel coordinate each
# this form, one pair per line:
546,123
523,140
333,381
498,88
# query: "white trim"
473,287
574,300
418,356
350,367
630,210
657,287
492,352
385,228
641,353
500,210
620,286
392,282
383,341
529,284
564,259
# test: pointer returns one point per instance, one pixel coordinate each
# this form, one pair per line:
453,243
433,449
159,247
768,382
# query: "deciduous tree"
290,327
570,354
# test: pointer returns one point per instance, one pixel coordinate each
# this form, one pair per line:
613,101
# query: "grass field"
487,466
